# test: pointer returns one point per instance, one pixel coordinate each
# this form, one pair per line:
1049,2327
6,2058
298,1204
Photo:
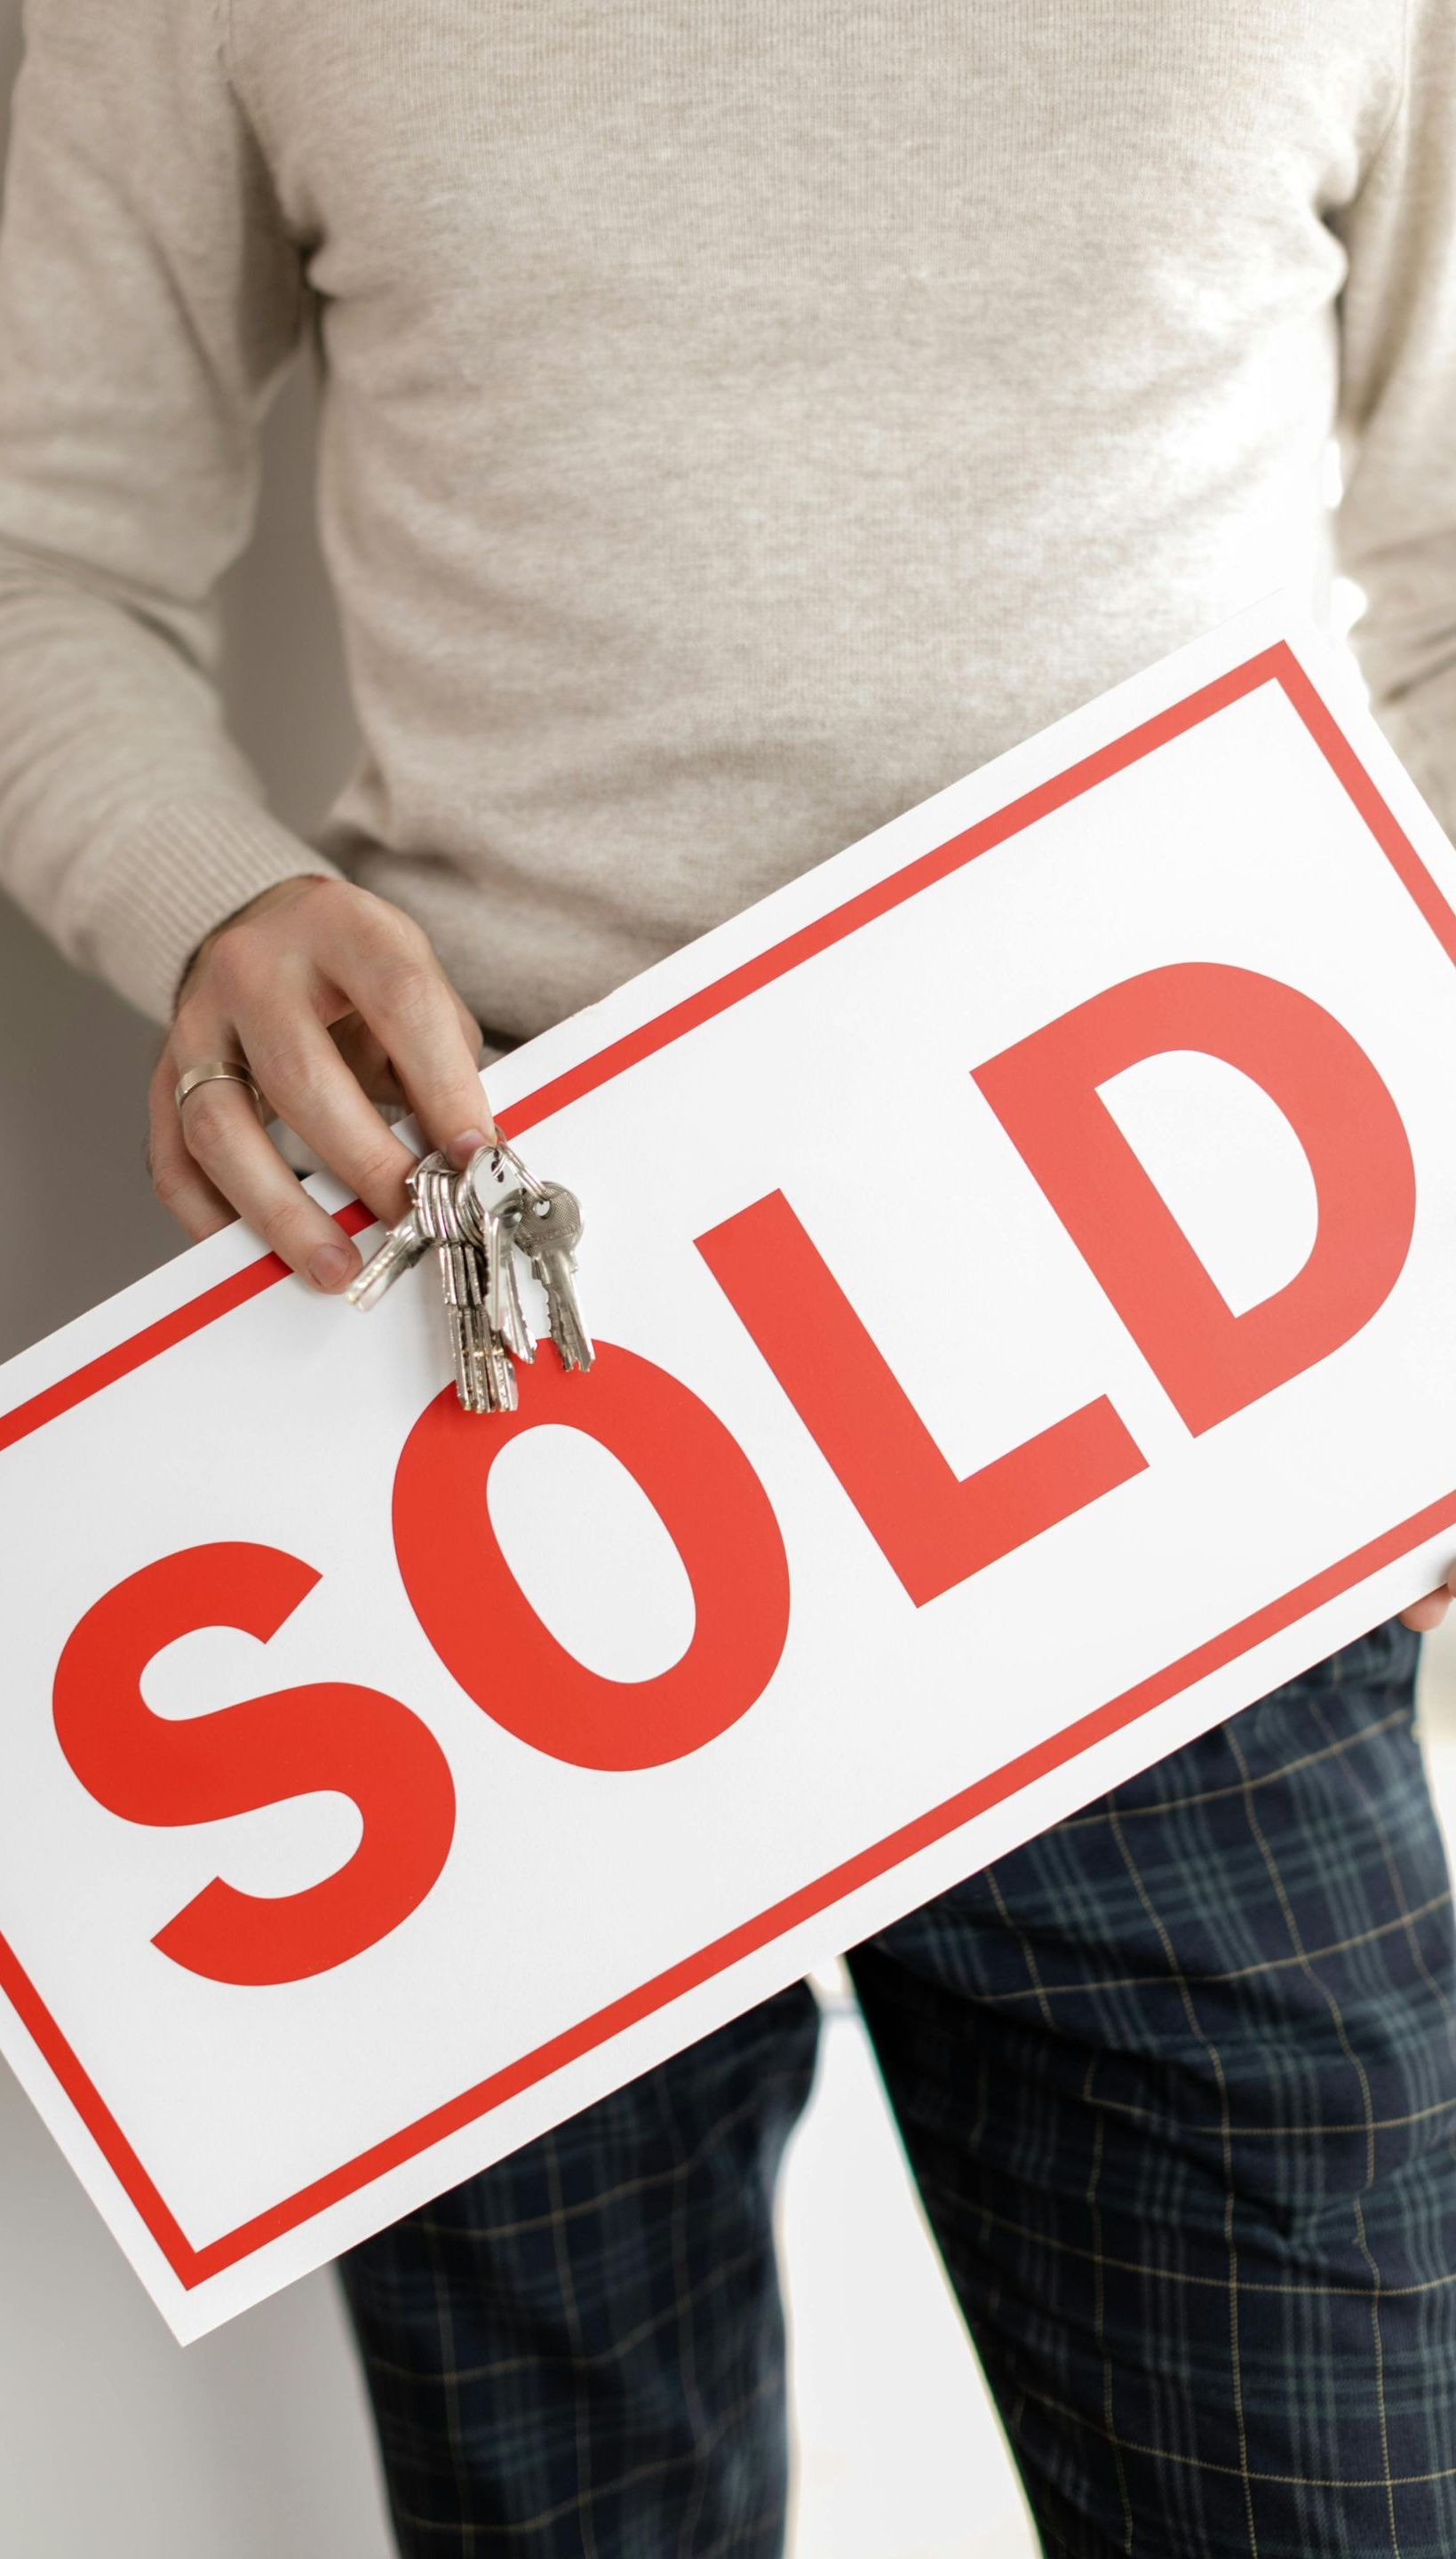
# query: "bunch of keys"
475,1235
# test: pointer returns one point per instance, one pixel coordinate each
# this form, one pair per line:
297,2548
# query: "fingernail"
468,1143
327,1266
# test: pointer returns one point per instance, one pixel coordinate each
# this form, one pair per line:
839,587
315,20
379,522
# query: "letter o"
485,1629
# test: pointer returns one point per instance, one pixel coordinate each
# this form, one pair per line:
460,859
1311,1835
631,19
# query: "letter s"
327,1736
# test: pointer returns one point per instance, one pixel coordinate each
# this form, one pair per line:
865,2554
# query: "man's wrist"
147,897
277,893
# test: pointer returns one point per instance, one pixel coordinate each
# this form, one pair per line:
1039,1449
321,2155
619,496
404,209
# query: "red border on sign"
192,2265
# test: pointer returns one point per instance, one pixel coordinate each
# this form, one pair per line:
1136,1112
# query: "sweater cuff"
142,907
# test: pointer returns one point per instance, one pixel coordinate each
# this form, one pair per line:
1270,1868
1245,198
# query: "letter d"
1209,1361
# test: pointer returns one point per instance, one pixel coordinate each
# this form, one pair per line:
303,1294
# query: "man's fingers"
221,1127
268,987
180,1184
1426,1615
420,1025
310,1085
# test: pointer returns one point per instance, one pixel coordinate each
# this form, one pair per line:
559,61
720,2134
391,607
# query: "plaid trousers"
1178,2083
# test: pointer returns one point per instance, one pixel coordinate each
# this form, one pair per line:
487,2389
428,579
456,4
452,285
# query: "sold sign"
1022,1256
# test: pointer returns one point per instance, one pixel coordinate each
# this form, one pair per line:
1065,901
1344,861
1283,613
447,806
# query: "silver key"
502,1343
400,1250
403,1246
491,1221
497,1327
505,1312
430,1200
461,1288
547,1231
484,1381
507,1338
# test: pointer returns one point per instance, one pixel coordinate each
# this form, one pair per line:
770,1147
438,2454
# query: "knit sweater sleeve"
149,301
1397,522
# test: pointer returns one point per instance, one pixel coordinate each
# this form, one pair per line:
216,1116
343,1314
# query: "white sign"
1023,1259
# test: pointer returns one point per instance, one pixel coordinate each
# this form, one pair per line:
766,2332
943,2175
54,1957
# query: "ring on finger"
219,1069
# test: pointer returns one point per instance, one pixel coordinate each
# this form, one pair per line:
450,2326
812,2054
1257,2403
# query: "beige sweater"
738,421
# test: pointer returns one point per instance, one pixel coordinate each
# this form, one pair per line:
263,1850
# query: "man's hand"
334,1001
1424,1615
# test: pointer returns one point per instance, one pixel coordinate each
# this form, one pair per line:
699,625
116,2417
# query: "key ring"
527,1181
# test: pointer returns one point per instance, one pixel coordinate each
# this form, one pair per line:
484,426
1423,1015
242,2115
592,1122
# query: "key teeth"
499,1382
573,1346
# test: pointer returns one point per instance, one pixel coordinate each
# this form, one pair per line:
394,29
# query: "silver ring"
218,1070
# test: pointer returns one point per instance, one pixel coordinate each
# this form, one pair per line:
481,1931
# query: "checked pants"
1178,2083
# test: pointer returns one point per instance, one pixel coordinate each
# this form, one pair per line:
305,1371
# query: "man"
737,424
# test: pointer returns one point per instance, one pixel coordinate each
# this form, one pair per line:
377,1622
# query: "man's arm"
1397,524
149,300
